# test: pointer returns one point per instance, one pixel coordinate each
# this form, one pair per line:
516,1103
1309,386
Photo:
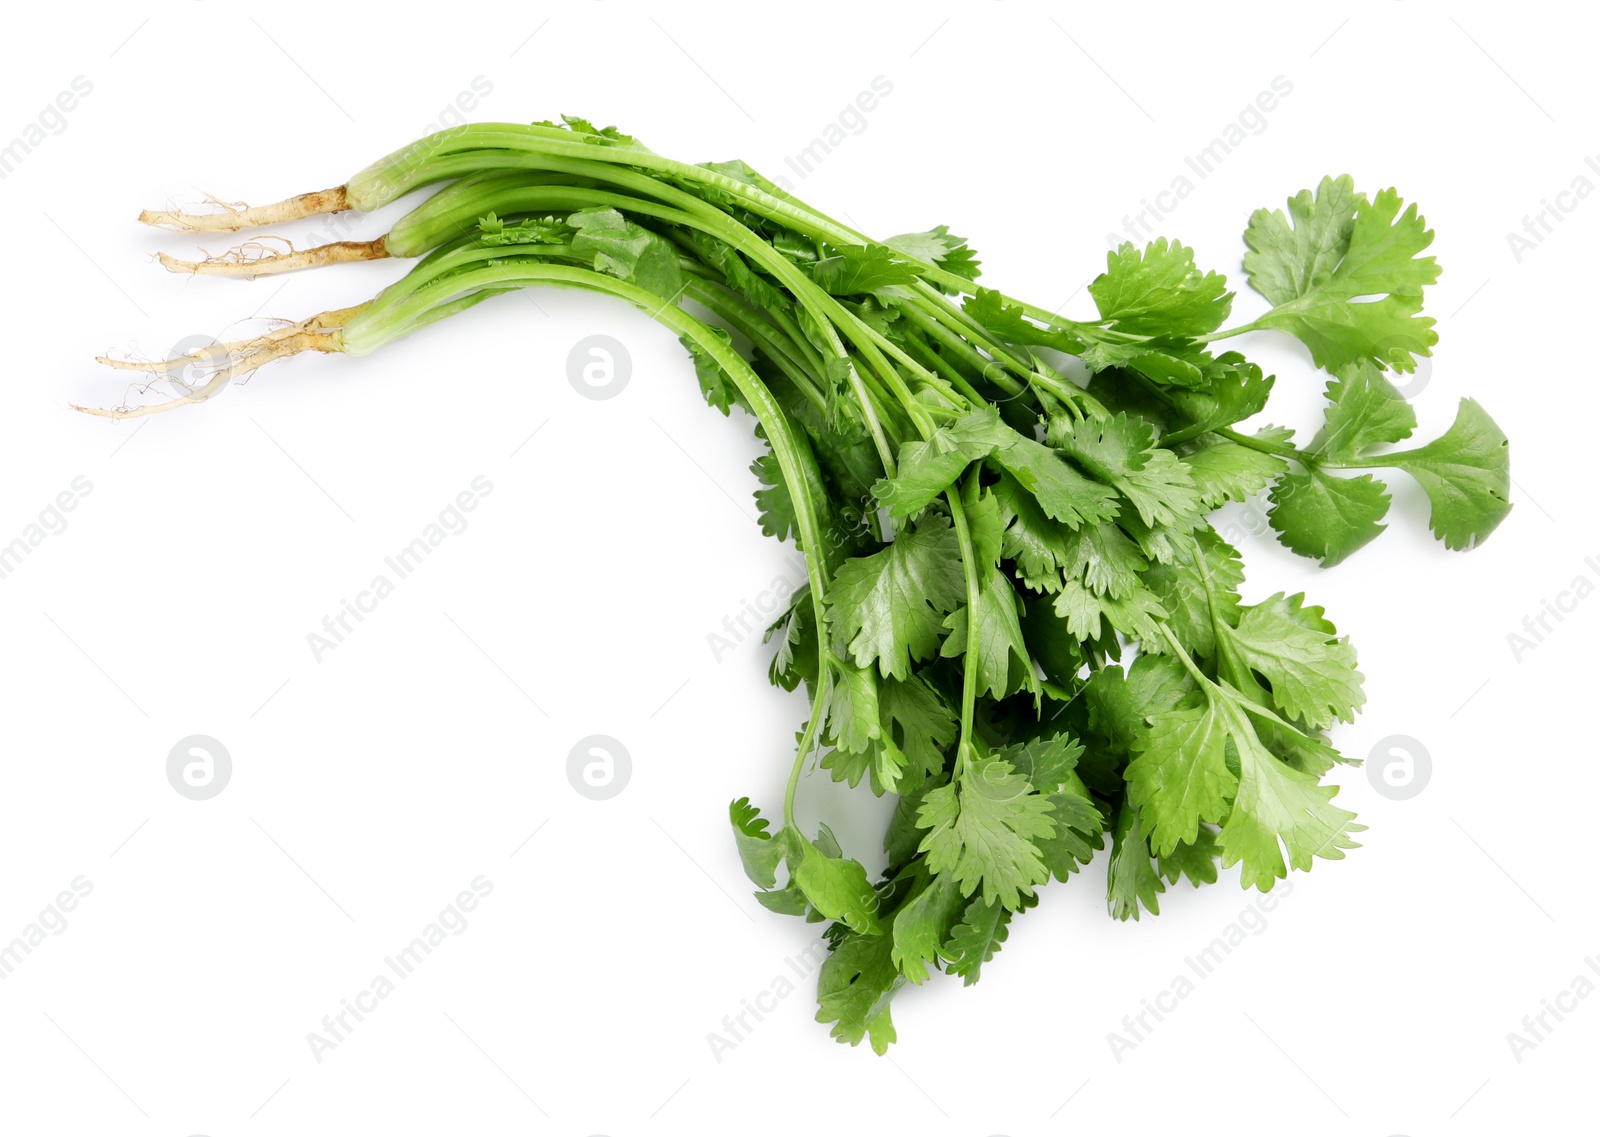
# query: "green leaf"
1134,616
715,384
1004,665
1122,452
1466,473
622,248
929,468
1120,704
979,937
857,269
890,606
1197,861
1160,292
1006,322
854,987
1364,410
941,247
853,717
1278,807
493,232
603,135
1050,764
1180,776
1322,270
1319,515
1199,585
773,499
1102,557
1061,491
1131,880
917,721
1312,671
796,630
836,886
759,851
1039,545
1226,471
981,830
923,925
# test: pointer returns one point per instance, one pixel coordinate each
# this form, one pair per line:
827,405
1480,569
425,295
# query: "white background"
369,788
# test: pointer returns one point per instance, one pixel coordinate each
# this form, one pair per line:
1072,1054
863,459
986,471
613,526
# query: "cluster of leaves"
1125,693
1020,621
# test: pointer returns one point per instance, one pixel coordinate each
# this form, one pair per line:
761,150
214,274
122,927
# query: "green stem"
969,659
808,739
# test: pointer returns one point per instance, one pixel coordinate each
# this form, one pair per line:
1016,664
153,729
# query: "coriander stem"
808,739
969,658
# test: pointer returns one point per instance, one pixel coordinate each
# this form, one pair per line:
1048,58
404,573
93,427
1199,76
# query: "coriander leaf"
1133,615
1364,410
1055,649
1277,807
1466,473
854,987
1050,764
856,269
1312,671
759,851
1234,390
627,250
796,629
1180,776
1102,557
1061,491
981,830
1197,861
978,938
853,708
1006,322
1198,586
901,839
836,886
1120,704
604,135
1319,515
890,606
1289,255
492,231
1321,280
1039,545
1122,451
1131,878
923,925
1160,292
788,901
715,384
772,499
1047,763
917,721
941,247
1226,471
928,468
1004,666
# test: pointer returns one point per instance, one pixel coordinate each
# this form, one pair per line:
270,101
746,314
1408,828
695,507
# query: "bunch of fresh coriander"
1017,618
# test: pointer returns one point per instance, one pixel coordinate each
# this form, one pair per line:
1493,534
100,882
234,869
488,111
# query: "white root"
226,362
259,258
230,216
